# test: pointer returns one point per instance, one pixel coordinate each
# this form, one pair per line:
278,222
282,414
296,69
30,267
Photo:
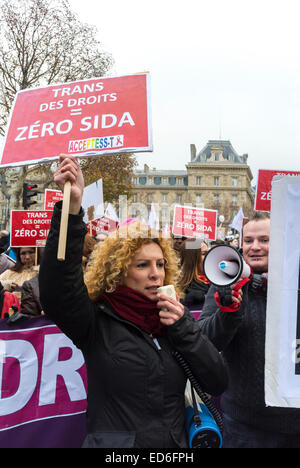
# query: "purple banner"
42,386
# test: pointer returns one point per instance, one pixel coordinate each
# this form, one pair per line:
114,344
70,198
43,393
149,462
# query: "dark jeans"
239,435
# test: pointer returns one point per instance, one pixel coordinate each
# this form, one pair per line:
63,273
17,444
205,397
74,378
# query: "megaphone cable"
204,397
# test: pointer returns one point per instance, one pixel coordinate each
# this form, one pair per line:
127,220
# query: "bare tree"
43,42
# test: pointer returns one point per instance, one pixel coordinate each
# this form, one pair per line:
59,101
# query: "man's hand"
229,299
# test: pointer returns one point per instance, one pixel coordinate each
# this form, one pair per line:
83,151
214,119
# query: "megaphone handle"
61,252
225,295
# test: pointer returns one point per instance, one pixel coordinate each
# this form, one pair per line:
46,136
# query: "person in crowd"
88,246
233,241
192,279
125,329
5,263
100,236
177,242
26,267
4,241
30,298
7,300
30,294
239,332
217,242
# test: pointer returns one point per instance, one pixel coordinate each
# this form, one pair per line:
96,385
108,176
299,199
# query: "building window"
216,198
217,156
149,198
216,181
134,198
135,180
234,181
198,180
165,198
179,198
234,199
198,198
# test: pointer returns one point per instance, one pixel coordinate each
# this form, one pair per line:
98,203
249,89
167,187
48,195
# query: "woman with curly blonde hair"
110,260
126,330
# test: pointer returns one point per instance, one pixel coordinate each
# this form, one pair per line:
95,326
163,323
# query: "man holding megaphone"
234,318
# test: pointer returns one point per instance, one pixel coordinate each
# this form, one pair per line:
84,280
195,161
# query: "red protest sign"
264,187
102,224
29,228
101,115
195,222
51,197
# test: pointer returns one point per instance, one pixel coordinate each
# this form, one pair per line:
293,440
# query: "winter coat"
10,276
5,263
30,299
240,336
195,294
8,301
135,386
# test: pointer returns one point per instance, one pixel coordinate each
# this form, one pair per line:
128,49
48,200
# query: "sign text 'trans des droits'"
97,116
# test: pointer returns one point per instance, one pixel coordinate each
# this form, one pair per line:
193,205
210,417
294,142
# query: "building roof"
225,147
156,172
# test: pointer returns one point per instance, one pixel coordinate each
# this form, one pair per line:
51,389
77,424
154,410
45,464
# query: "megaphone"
223,265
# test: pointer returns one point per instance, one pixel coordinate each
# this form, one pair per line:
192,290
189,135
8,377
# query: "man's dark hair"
258,216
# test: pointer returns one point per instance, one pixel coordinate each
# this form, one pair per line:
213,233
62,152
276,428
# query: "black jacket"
241,337
195,294
135,387
30,299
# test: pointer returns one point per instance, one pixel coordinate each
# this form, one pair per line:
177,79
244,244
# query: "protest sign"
264,186
103,224
83,118
43,387
92,201
194,222
111,213
51,197
29,228
282,356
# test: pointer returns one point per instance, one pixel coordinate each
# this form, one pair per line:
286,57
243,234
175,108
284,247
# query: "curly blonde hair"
111,258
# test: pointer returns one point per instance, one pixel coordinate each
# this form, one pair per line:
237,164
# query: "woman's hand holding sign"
69,170
69,179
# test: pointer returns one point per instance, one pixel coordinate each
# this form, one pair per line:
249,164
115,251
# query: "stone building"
215,178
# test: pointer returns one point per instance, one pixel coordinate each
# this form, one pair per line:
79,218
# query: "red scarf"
136,308
203,279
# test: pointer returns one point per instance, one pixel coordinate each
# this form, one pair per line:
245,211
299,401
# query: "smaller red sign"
51,197
102,224
264,187
29,228
195,222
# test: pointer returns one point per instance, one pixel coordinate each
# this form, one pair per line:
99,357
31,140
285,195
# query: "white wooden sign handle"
61,252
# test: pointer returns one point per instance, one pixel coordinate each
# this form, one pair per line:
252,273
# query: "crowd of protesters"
106,301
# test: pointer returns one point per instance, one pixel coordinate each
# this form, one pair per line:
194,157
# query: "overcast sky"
219,68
